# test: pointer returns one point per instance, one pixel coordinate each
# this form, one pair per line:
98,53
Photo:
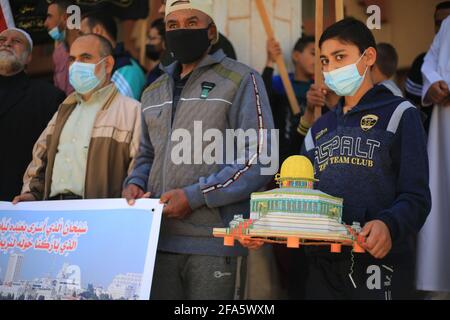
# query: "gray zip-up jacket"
220,94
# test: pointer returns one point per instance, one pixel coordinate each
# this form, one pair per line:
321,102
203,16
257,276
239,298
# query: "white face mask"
57,34
345,81
82,76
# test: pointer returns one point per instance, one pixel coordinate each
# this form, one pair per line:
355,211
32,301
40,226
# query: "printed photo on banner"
78,250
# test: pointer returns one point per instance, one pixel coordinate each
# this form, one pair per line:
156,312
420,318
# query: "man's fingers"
371,237
318,102
165,198
366,229
317,95
132,193
257,245
252,244
167,210
131,197
23,197
316,98
126,194
439,92
370,243
316,87
16,200
379,253
443,86
441,95
377,249
140,195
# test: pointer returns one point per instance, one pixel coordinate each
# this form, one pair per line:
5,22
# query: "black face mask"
152,53
187,45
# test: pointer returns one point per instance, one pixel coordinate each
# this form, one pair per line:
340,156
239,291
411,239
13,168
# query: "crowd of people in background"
102,130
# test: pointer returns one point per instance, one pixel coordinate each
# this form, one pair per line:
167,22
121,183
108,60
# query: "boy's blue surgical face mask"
345,81
56,34
82,76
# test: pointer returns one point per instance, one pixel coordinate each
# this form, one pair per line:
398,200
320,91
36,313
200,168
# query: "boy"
385,68
301,79
371,151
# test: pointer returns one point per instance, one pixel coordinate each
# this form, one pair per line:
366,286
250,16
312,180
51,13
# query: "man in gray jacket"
201,98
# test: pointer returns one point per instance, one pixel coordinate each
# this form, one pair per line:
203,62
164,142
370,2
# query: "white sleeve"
430,65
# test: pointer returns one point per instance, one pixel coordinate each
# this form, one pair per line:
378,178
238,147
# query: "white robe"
433,259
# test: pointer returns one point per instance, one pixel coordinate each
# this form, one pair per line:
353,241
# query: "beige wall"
239,20
409,28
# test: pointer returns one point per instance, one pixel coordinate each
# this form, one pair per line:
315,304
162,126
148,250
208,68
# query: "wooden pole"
143,31
339,10
279,60
318,78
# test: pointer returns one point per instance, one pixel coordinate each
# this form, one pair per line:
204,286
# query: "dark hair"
159,25
106,48
107,22
62,4
387,59
301,43
351,31
443,5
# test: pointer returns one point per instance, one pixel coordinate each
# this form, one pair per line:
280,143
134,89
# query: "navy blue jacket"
375,158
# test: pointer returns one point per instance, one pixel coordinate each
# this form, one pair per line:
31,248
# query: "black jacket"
26,106
375,158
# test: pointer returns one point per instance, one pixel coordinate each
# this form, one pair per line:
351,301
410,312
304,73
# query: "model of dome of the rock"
295,211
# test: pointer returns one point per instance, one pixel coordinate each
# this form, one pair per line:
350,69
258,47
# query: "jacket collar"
378,96
209,60
107,93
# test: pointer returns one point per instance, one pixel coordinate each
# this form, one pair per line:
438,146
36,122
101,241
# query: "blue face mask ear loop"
104,68
359,60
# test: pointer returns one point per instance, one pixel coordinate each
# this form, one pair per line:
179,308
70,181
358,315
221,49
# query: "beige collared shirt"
69,171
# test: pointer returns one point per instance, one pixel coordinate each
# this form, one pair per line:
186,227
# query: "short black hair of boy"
350,30
301,43
443,5
387,59
95,18
159,25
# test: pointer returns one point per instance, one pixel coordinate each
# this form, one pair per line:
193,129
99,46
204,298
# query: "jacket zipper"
108,103
169,134
169,142
88,153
